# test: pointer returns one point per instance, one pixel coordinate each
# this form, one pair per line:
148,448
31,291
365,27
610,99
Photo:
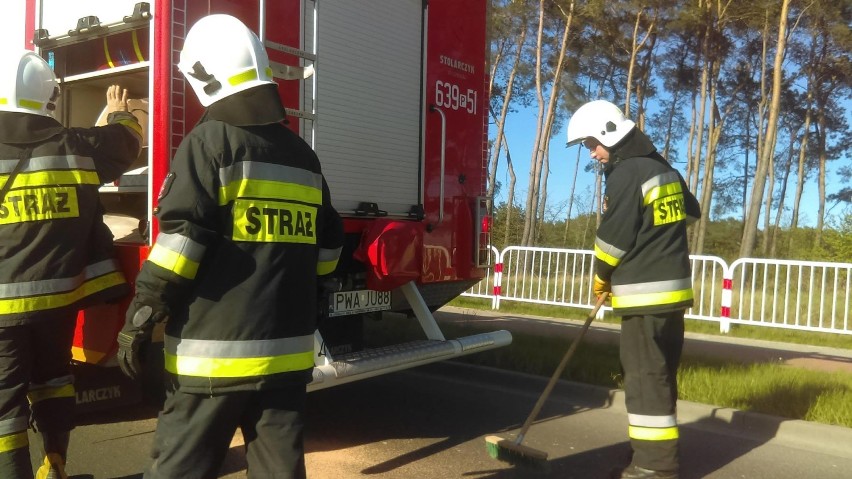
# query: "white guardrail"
803,295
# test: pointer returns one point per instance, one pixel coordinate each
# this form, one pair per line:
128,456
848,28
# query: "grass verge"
768,388
692,325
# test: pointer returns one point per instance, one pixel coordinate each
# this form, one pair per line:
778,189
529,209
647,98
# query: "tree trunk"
714,132
823,157
803,145
773,239
496,60
699,120
671,117
767,216
645,80
761,119
801,173
544,131
763,163
636,45
746,149
571,198
542,204
669,125
510,193
691,178
707,65
531,206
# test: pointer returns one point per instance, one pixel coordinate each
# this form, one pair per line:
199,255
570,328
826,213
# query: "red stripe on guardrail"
498,267
496,291
727,292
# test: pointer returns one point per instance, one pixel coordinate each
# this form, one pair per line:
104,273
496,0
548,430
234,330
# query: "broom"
513,451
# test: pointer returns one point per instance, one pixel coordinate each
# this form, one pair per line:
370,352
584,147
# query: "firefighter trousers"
36,387
194,433
650,352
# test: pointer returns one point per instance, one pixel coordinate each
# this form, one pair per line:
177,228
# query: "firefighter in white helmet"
642,258
56,253
246,229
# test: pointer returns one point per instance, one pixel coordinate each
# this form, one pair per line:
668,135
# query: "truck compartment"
389,94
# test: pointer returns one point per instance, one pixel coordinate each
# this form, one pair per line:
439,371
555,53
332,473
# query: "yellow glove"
600,286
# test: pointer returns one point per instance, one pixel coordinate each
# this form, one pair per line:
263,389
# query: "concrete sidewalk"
811,436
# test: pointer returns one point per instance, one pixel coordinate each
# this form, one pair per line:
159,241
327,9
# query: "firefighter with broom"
642,265
642,259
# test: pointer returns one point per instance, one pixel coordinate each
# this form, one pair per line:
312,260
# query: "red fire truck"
391,95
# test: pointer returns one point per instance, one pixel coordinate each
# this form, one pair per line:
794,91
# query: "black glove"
142,315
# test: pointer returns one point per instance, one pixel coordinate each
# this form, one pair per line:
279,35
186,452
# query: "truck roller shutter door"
369,72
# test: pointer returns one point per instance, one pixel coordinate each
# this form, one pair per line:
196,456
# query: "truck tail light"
485,225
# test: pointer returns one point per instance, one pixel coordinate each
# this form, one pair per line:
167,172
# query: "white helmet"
34,88
600,120
221,56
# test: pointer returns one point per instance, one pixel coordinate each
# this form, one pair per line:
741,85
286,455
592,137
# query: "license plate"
361,301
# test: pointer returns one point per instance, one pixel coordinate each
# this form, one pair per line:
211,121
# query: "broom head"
509,451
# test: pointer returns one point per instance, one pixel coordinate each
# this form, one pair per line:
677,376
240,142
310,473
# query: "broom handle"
556,374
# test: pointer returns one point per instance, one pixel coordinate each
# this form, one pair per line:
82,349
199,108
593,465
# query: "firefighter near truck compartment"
392,97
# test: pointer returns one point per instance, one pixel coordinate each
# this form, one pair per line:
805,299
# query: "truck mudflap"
331,370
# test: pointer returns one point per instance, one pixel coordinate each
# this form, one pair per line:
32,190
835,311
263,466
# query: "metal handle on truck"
443,160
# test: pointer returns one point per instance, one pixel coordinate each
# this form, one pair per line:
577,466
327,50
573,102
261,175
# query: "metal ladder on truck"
333,369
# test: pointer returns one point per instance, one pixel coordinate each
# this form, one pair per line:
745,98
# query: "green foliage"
722,239
580,233
499,237
836,245
770,389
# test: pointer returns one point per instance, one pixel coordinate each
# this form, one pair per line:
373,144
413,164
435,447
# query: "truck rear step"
373,362
333,370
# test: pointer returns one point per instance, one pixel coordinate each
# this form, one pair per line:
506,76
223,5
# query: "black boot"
636,472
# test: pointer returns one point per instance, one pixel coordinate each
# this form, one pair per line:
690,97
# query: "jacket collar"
256,106
635,144
18,127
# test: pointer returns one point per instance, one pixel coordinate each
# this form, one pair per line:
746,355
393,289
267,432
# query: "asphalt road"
431,422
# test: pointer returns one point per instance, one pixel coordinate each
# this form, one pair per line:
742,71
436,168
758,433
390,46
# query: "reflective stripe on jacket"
238,359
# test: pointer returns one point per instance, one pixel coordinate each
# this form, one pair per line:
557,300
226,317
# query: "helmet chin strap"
198,72
51,102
